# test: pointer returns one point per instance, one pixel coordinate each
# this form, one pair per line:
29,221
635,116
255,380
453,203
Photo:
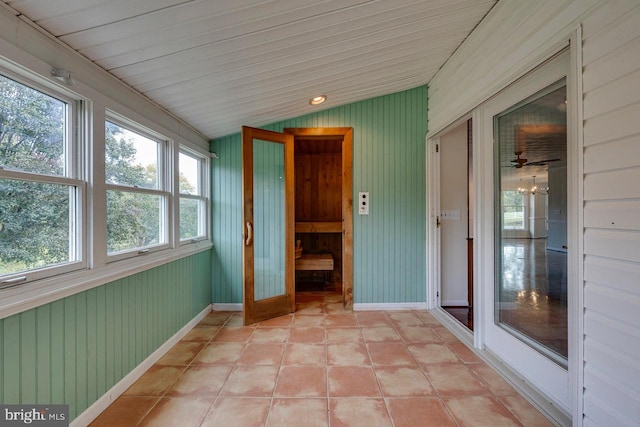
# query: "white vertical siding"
501,49
611,83
512,37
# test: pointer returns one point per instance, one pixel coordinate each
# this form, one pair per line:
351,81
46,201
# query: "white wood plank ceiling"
220,64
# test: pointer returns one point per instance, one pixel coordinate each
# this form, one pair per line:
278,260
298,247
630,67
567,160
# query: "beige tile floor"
322,366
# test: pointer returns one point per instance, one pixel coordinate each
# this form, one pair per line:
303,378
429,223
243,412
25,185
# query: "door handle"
249,234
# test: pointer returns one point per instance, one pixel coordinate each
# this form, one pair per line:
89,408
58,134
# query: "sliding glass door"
530,228
522,234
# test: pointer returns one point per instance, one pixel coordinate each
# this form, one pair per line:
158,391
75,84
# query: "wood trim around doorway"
347,201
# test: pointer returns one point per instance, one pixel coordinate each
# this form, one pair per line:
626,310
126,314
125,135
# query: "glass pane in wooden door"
269,219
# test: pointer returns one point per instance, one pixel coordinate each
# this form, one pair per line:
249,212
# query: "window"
193,202
513,208
86,181
41,191
137,197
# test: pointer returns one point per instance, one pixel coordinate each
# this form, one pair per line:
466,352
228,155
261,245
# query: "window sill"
30,295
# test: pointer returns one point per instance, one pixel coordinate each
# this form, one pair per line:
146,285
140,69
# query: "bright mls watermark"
35,415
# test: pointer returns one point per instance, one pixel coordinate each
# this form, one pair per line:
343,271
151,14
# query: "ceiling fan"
519,162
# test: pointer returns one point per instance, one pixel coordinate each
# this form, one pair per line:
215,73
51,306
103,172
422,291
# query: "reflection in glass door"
531,222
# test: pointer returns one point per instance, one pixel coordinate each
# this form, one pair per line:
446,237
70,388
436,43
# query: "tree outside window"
136,195
192,196
39,190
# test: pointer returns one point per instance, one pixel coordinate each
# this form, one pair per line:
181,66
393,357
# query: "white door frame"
433,232
483,227
434,291
434,258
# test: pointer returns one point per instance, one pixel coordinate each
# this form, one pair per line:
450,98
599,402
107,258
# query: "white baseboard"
454,303
92,412
358,307
227,307
392,306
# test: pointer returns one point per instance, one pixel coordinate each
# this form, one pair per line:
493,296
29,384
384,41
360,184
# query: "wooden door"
268,218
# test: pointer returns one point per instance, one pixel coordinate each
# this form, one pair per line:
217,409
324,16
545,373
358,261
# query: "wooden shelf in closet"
319,227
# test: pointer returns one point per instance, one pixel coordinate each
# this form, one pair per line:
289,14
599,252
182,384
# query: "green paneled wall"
75,349
389,162
227,228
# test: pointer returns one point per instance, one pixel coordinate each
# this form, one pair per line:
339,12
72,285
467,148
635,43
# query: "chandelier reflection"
534,189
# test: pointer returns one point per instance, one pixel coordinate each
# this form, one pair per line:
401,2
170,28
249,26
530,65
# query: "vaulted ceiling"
220,64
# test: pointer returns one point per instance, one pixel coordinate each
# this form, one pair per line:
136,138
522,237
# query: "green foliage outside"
189,218
34,217
133,219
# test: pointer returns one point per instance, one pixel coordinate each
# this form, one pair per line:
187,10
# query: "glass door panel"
531,221
269,219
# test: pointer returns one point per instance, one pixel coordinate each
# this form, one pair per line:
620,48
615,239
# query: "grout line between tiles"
395,323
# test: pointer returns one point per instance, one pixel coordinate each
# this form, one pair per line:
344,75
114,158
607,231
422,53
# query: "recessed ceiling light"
317,100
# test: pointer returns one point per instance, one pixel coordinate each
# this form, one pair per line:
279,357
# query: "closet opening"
323,211
455,223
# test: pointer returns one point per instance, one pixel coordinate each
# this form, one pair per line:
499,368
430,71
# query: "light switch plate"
363,203
450,215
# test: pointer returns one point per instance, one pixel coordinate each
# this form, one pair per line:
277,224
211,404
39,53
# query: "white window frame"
202,196
95,102
164,168
73,177
525,208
